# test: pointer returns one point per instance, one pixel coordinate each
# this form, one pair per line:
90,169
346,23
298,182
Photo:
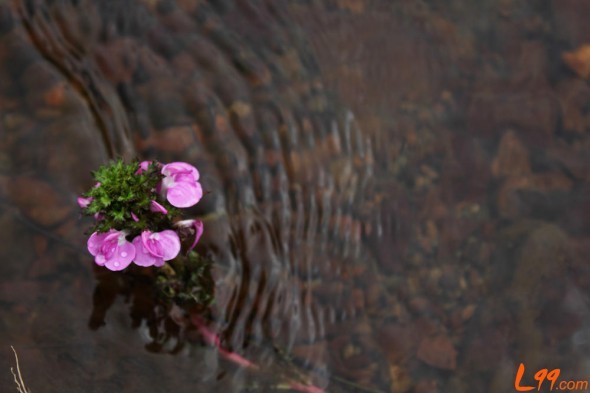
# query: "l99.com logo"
552,377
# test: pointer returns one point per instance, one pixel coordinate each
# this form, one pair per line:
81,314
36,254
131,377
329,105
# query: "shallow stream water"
399,191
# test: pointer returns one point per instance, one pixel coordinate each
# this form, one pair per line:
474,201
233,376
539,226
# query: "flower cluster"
135,208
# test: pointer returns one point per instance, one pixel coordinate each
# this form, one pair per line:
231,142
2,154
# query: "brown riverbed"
399,191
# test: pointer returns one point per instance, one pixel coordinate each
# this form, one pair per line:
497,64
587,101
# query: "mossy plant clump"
123,196
187,281
137,209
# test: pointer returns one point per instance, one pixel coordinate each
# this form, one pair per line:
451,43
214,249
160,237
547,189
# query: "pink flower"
180,184
83,202
143,166
152,249
197,225
157,208
111,249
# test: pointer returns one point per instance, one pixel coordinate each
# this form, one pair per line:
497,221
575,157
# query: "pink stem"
214,339
305,388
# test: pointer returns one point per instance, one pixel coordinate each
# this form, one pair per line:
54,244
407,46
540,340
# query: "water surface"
398,190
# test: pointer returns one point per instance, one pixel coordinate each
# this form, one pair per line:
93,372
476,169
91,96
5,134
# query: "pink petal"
98,184
95,242
134,217
124,254
112,236
126,251
143,166
183,177
142,256
151,244
180,168
184,194
111,242
84,202
100,260
155,248
170,244
157,208
198,225
116,265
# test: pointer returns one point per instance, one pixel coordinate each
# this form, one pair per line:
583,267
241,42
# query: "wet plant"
138,219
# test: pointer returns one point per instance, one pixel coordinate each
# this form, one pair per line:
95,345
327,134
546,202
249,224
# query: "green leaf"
119,216
105,200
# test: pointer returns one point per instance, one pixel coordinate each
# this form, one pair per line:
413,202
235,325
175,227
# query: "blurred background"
399,191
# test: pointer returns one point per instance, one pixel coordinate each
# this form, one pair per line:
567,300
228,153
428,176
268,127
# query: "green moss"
122,192
187,281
